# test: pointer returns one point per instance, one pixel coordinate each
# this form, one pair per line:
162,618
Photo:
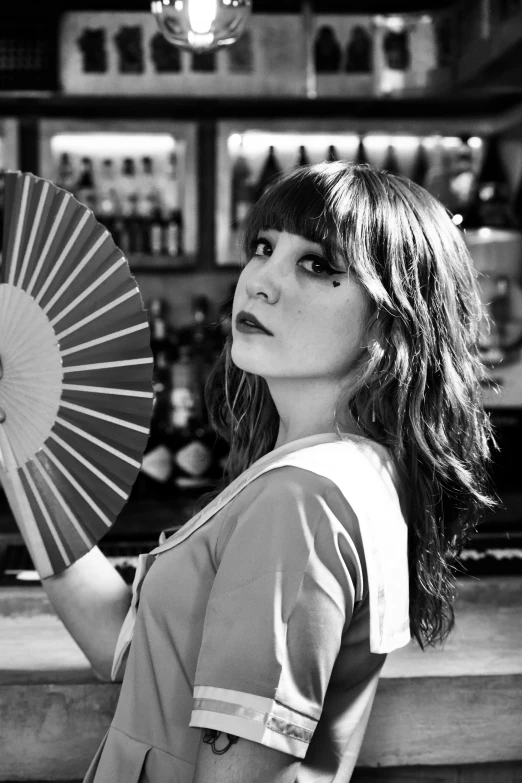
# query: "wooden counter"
461,705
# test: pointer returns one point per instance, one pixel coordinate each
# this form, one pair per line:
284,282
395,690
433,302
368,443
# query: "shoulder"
289,481
290,511
289,491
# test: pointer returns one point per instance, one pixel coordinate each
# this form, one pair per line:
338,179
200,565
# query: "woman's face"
316,326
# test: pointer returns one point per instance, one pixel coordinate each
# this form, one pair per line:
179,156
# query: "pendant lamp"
201,25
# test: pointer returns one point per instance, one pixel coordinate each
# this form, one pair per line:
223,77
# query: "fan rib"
32,237
107,390
84,293
97,313
50,239
21,507
105,338
99,443
66,508
47,517
89,466
107,365
105,417
13,261
63,255
104,518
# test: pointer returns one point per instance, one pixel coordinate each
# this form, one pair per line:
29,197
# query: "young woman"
252,644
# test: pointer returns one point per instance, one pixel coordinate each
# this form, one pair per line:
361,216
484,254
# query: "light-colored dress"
268,616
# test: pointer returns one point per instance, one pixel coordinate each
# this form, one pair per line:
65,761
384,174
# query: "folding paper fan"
76,387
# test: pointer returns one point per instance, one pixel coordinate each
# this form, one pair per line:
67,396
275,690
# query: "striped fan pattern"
77,372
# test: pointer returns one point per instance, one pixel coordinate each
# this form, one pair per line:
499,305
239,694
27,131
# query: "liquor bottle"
391,164
332,155
396,50
65,172
172,195
302,157
242,195
127,188
191,438
129,205
85,189
148,197
271,169
327,51
359,51
420,165
360,155
156,231
135,224
489,204
108,203
203,339
172,233
154,480
163,339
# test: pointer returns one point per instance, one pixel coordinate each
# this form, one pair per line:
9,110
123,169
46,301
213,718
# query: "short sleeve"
288,578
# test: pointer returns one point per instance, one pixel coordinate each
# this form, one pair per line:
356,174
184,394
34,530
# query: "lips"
250,318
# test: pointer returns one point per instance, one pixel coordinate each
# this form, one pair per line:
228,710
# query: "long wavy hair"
416,385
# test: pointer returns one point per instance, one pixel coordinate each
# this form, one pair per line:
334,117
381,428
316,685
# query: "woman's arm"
244,762
91,599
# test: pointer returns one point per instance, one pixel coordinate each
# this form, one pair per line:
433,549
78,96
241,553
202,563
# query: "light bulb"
201,25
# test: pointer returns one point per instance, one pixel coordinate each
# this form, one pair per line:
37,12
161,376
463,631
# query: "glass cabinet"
139,179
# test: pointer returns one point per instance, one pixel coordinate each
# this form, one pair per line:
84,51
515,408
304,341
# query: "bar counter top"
456,705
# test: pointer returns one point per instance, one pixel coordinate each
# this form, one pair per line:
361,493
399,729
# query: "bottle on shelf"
135,225
332,155
327,51
360,155
65,177
163,338
490,204
191,438
155,478
148,198
157,231
271,169
108,202
421,165
129,197
172,233
242,189
302,157
85,188
391,163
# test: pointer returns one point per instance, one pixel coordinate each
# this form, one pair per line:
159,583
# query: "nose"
263,281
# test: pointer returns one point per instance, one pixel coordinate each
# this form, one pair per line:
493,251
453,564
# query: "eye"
260,247
320,262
